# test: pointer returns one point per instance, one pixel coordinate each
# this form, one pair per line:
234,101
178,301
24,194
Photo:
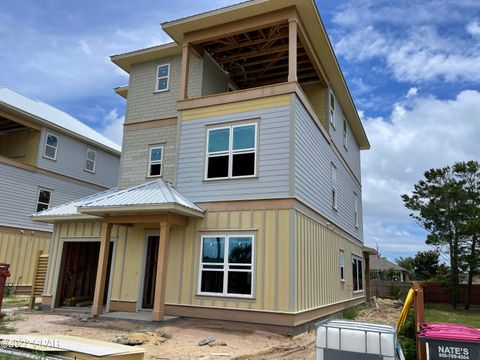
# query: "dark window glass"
239,282
44,196
156,154
163,71
213,249
162,84
50,152
354,274
360,275
155,169
212,281
52,140
243,164
217,167
341,272
41,207
240,250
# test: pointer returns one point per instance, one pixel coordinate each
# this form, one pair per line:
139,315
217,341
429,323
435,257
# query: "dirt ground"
178,339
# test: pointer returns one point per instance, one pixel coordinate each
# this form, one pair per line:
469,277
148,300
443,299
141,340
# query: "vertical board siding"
20,251
318,265
313,158
19,189
71,161
273,166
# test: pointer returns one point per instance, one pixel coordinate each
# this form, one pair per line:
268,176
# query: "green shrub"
352,312
407,338
395,292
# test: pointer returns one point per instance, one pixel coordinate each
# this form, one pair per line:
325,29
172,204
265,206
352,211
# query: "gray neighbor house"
240,194
47,158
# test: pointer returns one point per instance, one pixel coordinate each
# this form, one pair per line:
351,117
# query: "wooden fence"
390,289
439,293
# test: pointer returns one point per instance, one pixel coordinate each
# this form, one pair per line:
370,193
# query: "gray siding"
272,167
19,191
313,158
144,103
136,144
71,161
352,155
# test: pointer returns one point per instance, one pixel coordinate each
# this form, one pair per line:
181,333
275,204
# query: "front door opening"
150,271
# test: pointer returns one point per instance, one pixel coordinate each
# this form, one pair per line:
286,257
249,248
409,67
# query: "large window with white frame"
44,198
51,146
226,265
155,161
357,273
342,264
163,78
231,151
332,110
345,134
90,160
334,186
355,210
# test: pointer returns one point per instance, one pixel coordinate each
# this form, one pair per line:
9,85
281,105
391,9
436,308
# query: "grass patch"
445,313
352,312
4,324
11,301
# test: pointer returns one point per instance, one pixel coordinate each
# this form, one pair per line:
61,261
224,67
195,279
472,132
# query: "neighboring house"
240,189
46,158
382,269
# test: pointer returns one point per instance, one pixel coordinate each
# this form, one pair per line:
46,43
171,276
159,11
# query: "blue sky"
413,69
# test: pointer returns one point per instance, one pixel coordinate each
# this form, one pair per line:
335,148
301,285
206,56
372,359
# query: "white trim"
331,107
231,152
87,160
155,162
362,260
47,134
226,267
333,183
157,78
50,191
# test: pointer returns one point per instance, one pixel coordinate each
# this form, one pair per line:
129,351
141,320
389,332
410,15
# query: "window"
342,265
44,198
90,160
345,134
332,110
357,273
155,161
231,152
355,209
51,146
163,74
334,186
226,265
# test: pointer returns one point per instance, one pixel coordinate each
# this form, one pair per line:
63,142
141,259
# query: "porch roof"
153,196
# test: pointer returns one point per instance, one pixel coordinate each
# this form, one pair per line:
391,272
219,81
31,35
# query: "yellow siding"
20,251
318,265
237,107
317,95
20,145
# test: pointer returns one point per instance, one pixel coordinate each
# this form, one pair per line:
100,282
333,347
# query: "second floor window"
155,161
231,152
355,209
345,134
342,265
332,110
51,146
334,186
44,199
90,160
163,75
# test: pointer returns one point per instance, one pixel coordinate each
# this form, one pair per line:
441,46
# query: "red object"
445,331
4,273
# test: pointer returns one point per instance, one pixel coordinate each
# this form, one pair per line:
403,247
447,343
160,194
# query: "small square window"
43,200
90,160
342,265
345,134
332,110
155,161
51,146
163,76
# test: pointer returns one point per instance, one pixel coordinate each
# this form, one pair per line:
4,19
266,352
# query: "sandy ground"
178,339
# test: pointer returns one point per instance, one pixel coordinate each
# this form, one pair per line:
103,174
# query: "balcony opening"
18,142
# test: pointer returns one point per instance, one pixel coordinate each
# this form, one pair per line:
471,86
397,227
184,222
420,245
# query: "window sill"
88,171
342,281
153,176
231,178
49,158
236,297
357,292
161,91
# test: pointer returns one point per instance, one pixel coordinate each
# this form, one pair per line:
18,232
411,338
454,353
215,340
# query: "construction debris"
206,341
124,340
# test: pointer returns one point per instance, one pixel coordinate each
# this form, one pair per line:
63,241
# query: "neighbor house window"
226,265
355,209
342,265
334,186
44,198
231,152
163,76
357,273
90,160
155,161
51,146
345,134
332,110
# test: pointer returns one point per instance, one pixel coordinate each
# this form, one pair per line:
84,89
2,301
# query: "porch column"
185,68
292,49
97,305
368,290
160,282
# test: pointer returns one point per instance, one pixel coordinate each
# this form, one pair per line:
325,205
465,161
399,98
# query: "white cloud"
419,135
413,91
113,126
473,28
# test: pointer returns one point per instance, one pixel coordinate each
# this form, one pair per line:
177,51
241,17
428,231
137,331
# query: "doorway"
150,274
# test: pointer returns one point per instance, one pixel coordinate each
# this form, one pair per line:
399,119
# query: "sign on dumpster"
441,350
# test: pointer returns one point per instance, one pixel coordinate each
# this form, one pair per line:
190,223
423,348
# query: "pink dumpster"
451,341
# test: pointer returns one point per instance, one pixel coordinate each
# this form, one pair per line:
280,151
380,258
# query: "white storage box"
345,340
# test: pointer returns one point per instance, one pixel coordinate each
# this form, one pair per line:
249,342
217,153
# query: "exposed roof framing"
258,57
9,125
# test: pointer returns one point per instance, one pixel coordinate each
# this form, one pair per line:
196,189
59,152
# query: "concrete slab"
139,316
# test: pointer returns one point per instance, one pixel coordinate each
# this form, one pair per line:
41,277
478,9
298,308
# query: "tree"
426,264
405,262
